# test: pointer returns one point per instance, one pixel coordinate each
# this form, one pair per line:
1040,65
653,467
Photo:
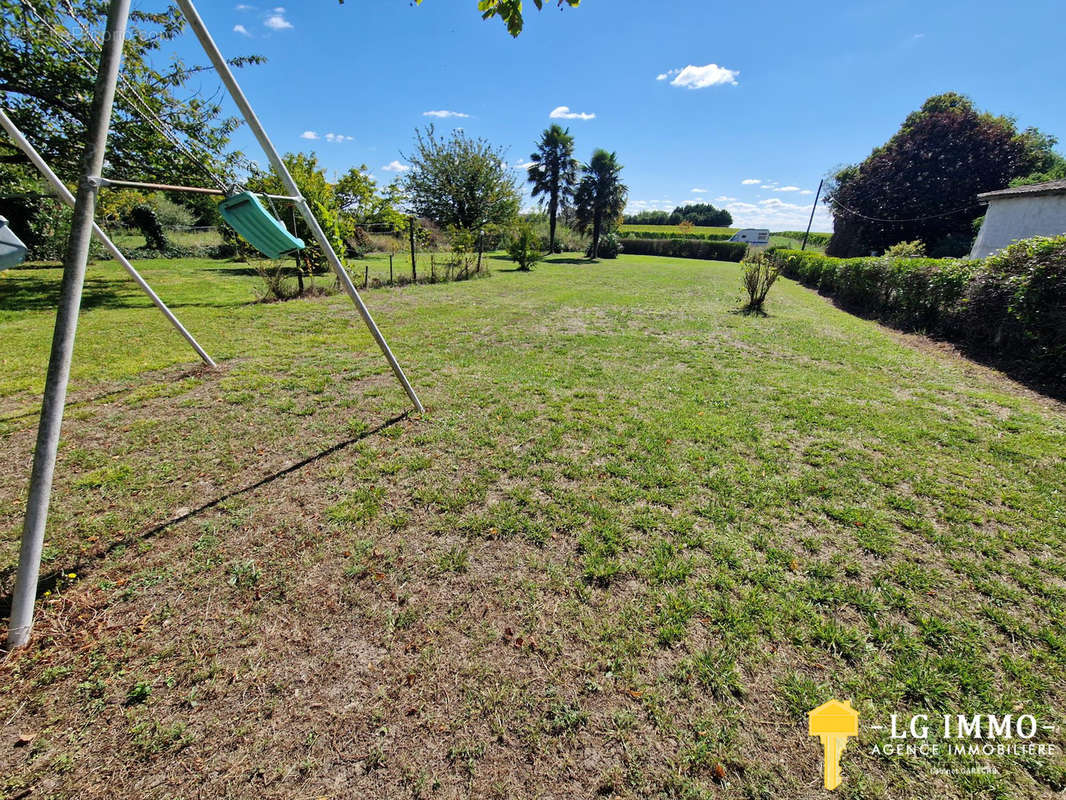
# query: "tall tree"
601,196
48,55
460,182
364,202
554,174
923,183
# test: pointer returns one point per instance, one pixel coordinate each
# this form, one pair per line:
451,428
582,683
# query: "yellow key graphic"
833,722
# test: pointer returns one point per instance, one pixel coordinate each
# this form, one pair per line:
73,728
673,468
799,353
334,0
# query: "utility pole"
55,386
813,209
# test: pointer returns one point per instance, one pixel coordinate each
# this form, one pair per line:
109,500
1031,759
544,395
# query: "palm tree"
601,196
553,173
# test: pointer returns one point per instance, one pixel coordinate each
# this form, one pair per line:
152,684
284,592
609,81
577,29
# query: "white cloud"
724,199
806,191
276,21
787,189
243,31
693,77
698,191
523,164
337,138
750,181
309,135
395,166
245,7
663,76
564,112
445,114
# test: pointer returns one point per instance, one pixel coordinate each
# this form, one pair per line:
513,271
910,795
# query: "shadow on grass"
48,582
568,260
21,292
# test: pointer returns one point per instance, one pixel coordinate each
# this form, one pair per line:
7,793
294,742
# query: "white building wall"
1009,219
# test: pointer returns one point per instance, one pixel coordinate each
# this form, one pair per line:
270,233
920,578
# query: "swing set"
241,210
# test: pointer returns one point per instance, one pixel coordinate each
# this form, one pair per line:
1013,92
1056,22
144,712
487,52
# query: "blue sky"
741,105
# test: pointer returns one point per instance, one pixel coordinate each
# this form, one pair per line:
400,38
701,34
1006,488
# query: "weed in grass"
139,693
456,559
359,507
565,718
150,737
666,564
798,694
836,638
714,672
244,574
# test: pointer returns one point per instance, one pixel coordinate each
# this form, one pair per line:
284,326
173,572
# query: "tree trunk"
596,237
553,209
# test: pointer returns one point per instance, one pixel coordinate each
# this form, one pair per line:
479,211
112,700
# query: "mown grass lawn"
633,541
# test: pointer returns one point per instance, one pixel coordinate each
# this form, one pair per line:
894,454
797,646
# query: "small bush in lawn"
758,273
524,249
915,249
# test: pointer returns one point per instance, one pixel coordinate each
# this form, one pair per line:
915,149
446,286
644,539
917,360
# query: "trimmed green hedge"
922,293
685,248
1012,306
707,237
819,239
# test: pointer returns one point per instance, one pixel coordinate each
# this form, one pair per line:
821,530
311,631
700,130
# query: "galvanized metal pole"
64,194
224,72
55,387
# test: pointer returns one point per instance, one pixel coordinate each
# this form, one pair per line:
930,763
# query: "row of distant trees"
696,214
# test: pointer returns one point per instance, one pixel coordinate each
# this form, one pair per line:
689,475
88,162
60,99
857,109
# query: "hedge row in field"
1011,305
818,239
707,237
685,248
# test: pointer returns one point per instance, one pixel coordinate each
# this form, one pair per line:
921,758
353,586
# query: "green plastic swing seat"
246,215
12,250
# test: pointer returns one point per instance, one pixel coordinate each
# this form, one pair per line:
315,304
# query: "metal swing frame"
83,227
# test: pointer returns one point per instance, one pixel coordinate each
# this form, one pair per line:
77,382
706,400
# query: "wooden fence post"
414,264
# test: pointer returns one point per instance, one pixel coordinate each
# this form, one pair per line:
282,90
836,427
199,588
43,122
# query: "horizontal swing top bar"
164,187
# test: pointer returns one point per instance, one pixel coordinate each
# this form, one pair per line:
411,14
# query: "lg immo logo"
972,737
833,723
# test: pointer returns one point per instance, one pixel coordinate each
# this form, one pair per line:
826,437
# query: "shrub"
525,249
921,293
915,249
759,272
145,219
169,213
687,248
610,246
1019,305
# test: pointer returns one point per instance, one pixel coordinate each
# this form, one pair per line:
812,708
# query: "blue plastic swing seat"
246,215
12,250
